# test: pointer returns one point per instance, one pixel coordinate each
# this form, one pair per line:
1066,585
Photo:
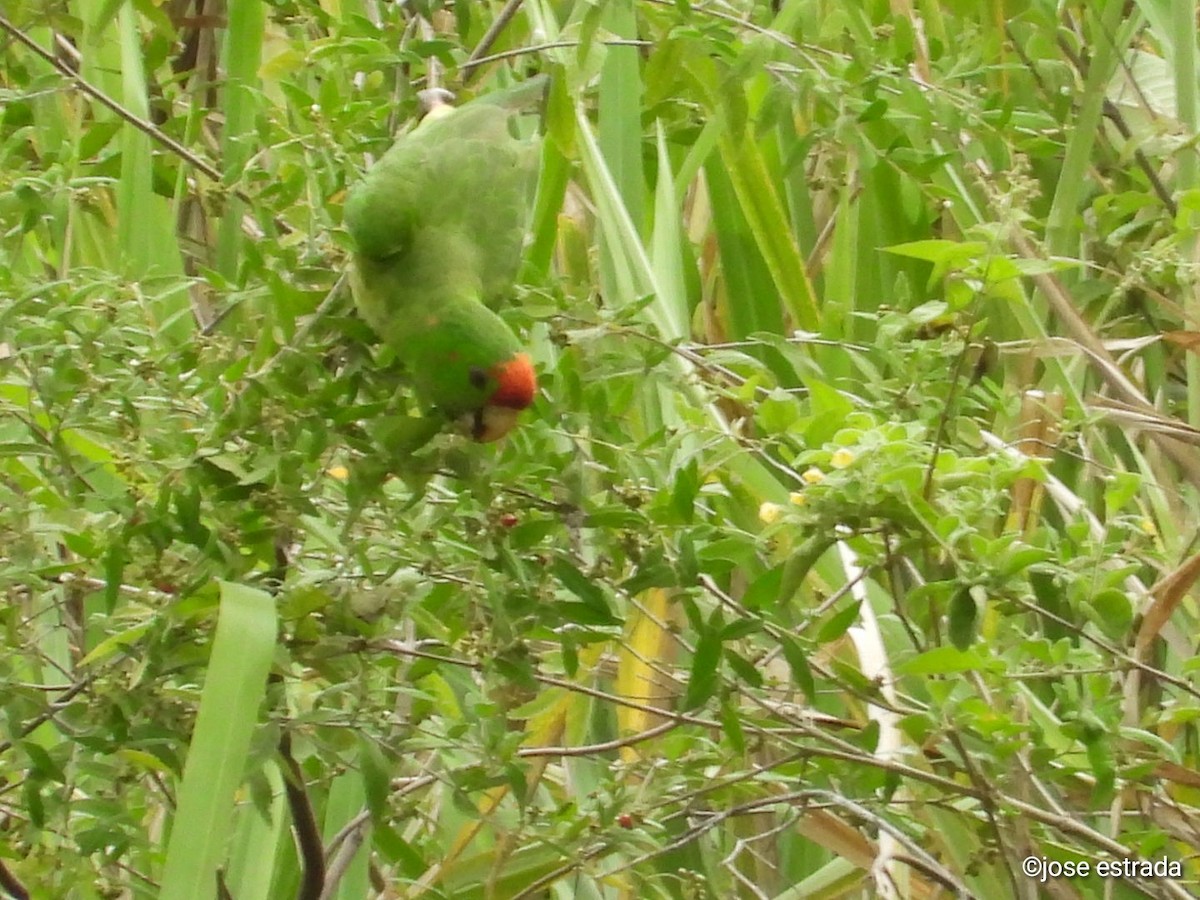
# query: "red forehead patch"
517,383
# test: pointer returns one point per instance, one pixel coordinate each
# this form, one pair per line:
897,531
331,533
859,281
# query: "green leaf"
585,614
1049,594
740,628
801,673
570,656
41,765
732,726
706,667
376,775
941,252
683,493
1112,610
941,661
838,624
114,570
594,608
115,642
966,611
801,561
744,669
763,589
777,412
578,584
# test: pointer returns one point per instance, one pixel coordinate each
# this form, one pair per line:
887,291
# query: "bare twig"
12,884
142,125
308,835
489,37
354,835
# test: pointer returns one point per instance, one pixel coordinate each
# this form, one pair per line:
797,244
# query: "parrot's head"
467,363
510,386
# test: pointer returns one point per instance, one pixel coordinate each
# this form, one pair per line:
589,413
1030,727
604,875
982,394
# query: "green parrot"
438,225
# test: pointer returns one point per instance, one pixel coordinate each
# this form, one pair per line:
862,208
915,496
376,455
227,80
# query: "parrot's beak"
493,422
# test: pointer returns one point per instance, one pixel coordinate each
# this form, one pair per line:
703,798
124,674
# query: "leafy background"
847,551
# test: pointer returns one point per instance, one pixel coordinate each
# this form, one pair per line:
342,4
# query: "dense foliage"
847,549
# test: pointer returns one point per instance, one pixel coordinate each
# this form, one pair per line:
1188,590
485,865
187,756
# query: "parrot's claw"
432,98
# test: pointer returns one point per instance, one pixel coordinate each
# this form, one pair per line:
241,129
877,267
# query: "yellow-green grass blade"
750,300
1183,24
764,212
348,798
257,841
637,278
667,243
243,51
135,204
1061,223
229,705
620,132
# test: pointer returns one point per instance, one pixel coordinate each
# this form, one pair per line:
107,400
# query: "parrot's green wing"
439,223
462,173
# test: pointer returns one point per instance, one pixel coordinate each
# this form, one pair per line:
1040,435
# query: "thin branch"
12,884
346,832
304,822
142,125
478,55
603,747
555,45
349,848
37,721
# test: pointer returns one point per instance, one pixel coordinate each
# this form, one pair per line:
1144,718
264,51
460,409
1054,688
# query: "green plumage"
439,223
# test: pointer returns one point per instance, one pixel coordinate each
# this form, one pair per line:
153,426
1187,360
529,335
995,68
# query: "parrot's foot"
433,98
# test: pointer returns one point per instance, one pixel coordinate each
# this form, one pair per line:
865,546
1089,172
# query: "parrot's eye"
478,378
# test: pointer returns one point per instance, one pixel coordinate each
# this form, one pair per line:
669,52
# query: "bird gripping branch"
438,225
